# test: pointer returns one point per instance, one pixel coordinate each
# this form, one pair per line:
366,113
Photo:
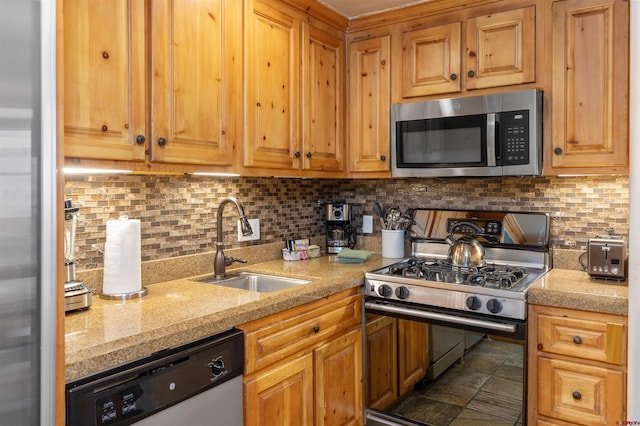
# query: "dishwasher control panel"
137,390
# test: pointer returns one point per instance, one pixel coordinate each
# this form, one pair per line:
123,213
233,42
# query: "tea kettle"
466,251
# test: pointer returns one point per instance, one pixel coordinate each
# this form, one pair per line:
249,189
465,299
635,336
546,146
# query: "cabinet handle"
577,340
309,155
383,157
162,141
296,154
471,73
140,139
454,77
557,151
576,395
316,329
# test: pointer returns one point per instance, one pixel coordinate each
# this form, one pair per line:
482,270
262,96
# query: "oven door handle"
509,328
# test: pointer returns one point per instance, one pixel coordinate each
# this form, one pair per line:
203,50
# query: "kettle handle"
451,239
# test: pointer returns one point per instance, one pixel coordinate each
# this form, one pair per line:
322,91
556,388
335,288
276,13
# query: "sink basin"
261,283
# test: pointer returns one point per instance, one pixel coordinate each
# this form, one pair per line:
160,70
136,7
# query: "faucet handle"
228,260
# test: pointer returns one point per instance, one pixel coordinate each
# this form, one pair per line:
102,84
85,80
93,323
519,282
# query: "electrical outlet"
255,225
367,224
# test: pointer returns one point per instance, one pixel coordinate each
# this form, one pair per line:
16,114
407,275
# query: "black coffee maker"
340,233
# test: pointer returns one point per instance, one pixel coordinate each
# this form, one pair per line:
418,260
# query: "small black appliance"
340,232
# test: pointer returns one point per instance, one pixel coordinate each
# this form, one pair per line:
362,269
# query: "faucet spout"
245,227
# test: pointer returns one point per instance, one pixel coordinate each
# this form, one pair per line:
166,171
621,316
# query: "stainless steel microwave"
489,135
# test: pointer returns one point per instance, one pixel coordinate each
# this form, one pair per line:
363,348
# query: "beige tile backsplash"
178,213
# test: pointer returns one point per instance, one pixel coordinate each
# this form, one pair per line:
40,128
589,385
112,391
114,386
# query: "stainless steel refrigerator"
27,212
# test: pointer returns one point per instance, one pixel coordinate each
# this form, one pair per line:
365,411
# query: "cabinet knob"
557,151
576,395
383,157
454,77
162,141
316,329
104,128
471,73
309,154
140,139
577,340
296,154
105,55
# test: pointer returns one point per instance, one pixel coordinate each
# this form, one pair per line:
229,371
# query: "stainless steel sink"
261,283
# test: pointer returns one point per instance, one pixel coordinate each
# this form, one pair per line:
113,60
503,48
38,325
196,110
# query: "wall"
178,213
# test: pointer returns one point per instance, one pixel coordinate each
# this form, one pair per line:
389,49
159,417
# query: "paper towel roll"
122,269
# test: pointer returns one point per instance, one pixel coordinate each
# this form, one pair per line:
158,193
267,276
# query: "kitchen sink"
261,283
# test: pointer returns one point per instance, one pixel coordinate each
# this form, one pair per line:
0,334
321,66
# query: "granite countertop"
571,289
180,311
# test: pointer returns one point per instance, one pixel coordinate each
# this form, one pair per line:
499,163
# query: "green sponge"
347,255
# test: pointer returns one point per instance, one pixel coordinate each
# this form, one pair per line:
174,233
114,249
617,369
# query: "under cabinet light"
214,174
89,171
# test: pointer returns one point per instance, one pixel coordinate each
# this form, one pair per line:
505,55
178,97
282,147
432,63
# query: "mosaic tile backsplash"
178,213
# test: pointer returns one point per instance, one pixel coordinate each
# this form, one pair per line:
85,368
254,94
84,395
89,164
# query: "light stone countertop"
181,311
572,289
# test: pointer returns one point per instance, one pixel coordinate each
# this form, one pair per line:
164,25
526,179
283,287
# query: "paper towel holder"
125,296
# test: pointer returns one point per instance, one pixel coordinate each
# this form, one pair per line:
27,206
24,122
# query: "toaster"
607,257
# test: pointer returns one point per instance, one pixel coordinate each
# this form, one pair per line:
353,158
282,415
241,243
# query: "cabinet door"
412,354
431,60
369,96
501,49
590,102
272,79
381,386
323,100
282,395
580,393
190,91
104,89
338,381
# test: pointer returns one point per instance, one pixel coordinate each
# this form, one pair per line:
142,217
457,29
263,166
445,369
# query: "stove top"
516,248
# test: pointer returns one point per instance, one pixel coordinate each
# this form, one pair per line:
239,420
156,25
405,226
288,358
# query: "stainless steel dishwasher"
195,384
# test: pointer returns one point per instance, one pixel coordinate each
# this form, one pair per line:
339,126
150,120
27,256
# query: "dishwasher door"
195,384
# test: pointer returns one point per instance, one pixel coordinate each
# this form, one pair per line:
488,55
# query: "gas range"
497,289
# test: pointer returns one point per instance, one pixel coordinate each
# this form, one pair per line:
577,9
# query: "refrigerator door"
27,212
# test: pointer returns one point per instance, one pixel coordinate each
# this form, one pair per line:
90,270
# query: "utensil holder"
393,243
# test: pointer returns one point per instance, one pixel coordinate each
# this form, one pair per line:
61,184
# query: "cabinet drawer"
598,340
580,393
271,339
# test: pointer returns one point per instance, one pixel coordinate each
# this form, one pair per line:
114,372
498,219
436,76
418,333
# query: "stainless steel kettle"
465,251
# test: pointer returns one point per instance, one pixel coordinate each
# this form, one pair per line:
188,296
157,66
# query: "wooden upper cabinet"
272,82
431,60
323,70
193,92
104,91
590,89
501,48
470,52
369,97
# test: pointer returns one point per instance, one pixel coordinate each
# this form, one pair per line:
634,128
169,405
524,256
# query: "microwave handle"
493,146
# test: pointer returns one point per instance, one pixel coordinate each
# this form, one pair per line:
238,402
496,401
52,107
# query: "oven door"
428,366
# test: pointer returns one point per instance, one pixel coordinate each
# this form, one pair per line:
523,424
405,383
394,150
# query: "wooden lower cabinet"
577,367
304,366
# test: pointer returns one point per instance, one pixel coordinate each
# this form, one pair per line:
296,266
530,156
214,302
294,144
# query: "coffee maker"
76,293
340,233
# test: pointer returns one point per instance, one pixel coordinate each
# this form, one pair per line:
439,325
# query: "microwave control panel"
515,137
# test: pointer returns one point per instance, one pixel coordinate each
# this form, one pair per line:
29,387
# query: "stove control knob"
494,306
474,303
402,292
385,290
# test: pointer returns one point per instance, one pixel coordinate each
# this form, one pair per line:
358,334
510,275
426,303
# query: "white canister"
393,243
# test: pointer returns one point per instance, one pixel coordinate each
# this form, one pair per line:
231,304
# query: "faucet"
222,261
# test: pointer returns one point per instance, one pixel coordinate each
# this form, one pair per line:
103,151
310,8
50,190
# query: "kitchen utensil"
465,251
378,210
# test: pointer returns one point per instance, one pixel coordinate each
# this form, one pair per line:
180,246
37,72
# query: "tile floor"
485,388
